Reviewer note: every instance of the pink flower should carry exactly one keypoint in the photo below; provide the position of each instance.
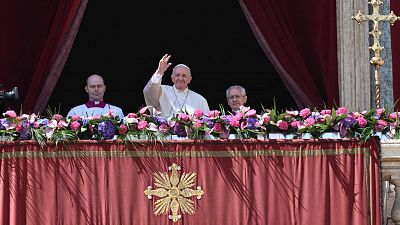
(10, 113)
(283, 125)
(250, 113)
(153, 127)
(217, 127)
(52, 124)
(36, 125)
(362, 122)
(172, 123)
(213, 114)
(57, 117)
(234, 122)
(75, 125)
(327, 116)
(380, 111)
(62, 123)
(96, 117)
(191, 118)
(243, 125)
(341, 111)
(381, 125)
(144, 111)
(163, 128)
(18, 128)
(130, 120)
(305, 112)
(326, 112)
(198, 113)
(142, 124)
(309, 122)
(293, 123)
(197, 124)
(109, 114)
(238, 116)
(292, 113)
(132, 115)
(122, 129)
(356, 114)
(75, 117)
(394, 115)
(32, 118)
(267, 119)
(183, 116)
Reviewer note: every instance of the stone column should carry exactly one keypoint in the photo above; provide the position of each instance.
(353, 56)
(356, 74)
(386, 72)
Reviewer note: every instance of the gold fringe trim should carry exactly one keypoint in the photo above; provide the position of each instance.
(181, 154)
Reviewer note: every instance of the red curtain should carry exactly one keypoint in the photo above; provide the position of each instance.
(32, 35)
(300, 40)
(319, 182)
(395, 35)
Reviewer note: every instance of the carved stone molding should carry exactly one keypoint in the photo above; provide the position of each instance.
(390, 164)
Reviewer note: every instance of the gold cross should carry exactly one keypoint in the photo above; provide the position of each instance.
(376, 18)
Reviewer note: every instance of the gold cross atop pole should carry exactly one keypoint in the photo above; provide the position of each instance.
(376, 33)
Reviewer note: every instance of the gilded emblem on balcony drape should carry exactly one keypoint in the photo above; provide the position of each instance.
(174, 192)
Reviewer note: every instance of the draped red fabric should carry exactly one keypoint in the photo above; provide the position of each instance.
(299, 182)
(300, 41)
(31, 36)
(395, 39)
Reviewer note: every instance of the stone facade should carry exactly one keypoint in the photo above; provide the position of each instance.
(390, 164)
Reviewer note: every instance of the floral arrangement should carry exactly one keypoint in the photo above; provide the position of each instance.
(143, 125)
(247, 123)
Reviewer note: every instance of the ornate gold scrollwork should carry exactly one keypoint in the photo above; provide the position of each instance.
(174, 192)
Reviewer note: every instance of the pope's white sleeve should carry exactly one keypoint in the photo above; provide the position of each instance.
(152, 91)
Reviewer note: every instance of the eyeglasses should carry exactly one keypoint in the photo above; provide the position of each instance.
(234, 97)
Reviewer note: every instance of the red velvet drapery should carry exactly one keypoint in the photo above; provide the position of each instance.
(32, 35)
(395, 35)
(319, 182)
(300, 41)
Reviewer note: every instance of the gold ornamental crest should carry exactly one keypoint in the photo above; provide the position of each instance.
(174, 192)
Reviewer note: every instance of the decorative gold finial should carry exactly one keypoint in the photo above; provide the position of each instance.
(376, 60)
(174, 193)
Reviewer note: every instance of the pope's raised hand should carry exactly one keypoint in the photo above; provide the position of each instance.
(163, 64)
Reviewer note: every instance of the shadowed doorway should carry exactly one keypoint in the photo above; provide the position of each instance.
(124, 42)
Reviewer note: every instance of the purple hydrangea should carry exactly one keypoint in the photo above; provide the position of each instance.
(180, 130)
(160, 120)
(227, 118)
(25, 133)
(251, 123)
(3, 124)
(107, 129)
(210, 123)
(344, 125)
(43, 121)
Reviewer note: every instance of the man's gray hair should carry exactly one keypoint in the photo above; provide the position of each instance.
(181, 65)
(240, 88)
